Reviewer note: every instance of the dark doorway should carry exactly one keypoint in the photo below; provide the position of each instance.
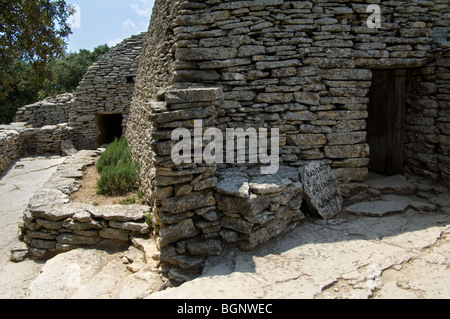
(109, 127)
(386, 122)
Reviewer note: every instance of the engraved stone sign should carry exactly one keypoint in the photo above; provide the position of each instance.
(320, 189)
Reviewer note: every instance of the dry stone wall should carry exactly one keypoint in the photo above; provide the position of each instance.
(107, 88)
(20, 139)
(427, 150)
(53, 224)
(50, 111)
(303, 67)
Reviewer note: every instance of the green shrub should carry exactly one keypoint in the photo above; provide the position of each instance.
(116, 152)
(118, 174)
(149, 219)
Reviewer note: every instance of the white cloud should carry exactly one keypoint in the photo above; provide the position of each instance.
(114, 42)
(128, 24)
(144, 9)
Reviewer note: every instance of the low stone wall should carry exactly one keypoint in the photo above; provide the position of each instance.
(11, 147)
(52, 224)
(19, 139)
(47, 112)
(256, 208)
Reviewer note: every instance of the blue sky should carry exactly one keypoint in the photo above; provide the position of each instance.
(107, 21)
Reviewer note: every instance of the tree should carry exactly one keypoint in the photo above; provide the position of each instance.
(32, 34)
(69, 71)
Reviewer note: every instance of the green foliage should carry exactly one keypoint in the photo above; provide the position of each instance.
(69, 71)
(118, 173)
(33, 62)
(66, 73)
(32, 33)
(149, 219)
(128, 201)
(116, 152)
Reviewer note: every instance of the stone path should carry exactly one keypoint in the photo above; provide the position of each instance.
(401, 256)
(17, 186)
(406, 255)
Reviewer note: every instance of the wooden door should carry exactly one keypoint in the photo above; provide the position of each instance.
(386, 122)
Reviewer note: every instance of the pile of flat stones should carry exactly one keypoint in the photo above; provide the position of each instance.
(52, 224)
(258, 207)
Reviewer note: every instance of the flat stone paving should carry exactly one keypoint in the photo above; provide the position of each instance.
(406, 255)
(17, 186)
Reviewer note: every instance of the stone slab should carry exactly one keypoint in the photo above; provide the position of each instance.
(378, 208)
(320, 188)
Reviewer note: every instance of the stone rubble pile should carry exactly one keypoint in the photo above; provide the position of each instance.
(255, 207)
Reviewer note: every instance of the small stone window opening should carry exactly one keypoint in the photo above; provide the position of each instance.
(130, 79)
(109, 127)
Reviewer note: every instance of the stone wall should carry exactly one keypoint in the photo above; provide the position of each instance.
(11, 146)
(20, 139)
(303, 67)
(427, 150)
(154, 75)
(52, 224)
(107, 88)
(51, 111)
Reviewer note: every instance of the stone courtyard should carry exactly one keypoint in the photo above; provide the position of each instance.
(353, 117)
(404, 254)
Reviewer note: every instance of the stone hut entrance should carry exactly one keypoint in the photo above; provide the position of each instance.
(109, 127)
(386, 121)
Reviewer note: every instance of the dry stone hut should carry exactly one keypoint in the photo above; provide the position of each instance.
(101, 107)
(340, 88)
(94, 115)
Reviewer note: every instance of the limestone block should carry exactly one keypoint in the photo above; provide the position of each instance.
(173, 233)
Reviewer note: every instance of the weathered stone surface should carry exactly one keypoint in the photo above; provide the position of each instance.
(142, 228)
(205, 18)
(116, 234)
(235, 186)
(270, 184)
(59, 212)
(47, 197)
(236, 223)
(72, 239)
(173, 233)
(192, 95)
(195, 54)
(82, 217)
(347, 151)
(378, 208)
(192, 201)
(320, 189)
(67, 148)
(120, 213)
(201, 247)
(246, 207)
(74, 225)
